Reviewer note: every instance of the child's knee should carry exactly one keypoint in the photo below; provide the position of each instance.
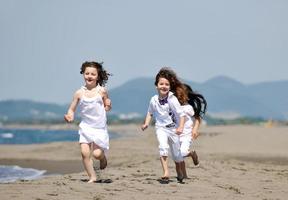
(98, 154)
(85, 154)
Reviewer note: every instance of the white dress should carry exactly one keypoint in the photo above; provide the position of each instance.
(186, 137)
(93, 127)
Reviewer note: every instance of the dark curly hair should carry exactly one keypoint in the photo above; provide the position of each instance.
(102, 74)
(176, 86)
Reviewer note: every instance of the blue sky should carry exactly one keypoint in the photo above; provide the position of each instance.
(44, 42)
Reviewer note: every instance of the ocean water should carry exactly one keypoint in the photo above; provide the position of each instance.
(25, 136)
(35, 136)
(10, 174)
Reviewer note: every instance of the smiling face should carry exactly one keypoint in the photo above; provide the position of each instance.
(90, 76)
(163, 87)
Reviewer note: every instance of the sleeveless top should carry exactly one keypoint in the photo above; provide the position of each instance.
(92, 110)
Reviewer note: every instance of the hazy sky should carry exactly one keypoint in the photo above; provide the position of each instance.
(44, 42)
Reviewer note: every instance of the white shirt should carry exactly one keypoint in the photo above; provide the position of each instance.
(189, 113)
(166, 114)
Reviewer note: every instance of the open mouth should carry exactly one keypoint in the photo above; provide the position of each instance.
(163, 89)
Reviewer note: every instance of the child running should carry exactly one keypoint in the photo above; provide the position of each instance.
(93, 102)
(194, 109)
(166, 109)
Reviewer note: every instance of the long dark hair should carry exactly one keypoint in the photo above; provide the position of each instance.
(102, 74)
(197, 101)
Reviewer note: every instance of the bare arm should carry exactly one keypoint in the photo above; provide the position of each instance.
(180, 128)
(146, 121)
(107, 102)
(195, 128)
(69, 116)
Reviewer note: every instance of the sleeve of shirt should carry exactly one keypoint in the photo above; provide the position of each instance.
(175, 106)
(190, 111)
(150, 107)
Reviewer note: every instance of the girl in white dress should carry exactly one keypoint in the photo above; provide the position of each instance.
(93, 103)
(194, 110)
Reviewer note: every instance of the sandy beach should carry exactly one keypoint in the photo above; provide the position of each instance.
(236, 162)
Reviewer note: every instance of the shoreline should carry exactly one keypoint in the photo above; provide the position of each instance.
(126, 132)
(63, 126)
(60, 126)
(74, 126)
(53, 165)
(50, 166)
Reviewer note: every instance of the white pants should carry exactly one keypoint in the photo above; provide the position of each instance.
(167, 138)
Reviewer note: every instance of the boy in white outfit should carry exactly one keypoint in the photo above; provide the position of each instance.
(166, 109)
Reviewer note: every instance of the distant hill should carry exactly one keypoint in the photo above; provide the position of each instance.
(227, 98)
(30, 111)
(267, 100)
(133, 96)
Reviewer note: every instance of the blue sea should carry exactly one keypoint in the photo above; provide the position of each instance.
(32, 136)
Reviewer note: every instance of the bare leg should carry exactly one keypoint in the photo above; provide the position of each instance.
(99, 154)
(183, 169)
(87, 162)
(194, 157)
(179, 171)
(164, 163)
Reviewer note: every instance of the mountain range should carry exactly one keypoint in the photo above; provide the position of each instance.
(226, 98)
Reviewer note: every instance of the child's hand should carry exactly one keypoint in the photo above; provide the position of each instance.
(195, 135)
(179, 130)
(68, 118)
(108, 104)
(144, 126)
